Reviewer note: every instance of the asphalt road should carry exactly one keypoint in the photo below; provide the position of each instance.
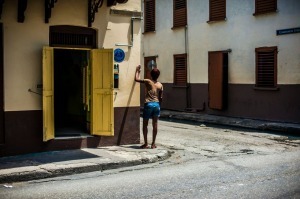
(208, 162)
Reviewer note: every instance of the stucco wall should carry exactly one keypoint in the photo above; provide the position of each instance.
(241, 32)
(23, 44)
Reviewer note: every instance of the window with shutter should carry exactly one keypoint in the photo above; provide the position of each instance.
(217, 10)
(149, 9)
(180, 70)
(72, 36)
(265, 6)
(179, 13)
(266, 67)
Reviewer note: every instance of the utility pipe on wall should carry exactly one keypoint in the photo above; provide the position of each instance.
(131, 27)
(188, 88)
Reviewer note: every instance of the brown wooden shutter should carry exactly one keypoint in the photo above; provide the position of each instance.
(265, 6)
(180, 70)
(217, 10)
(179, 13)
(149, 15)
(266, 67)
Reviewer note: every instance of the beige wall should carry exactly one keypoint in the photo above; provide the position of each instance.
(242, 32)
(23, 44)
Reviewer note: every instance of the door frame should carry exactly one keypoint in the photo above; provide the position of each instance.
(2, 131)
(101, 61)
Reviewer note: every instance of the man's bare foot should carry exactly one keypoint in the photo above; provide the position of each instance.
(153, 146)
(144, 146)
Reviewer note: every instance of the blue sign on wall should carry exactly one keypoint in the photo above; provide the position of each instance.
(288, 31)
(119, 55)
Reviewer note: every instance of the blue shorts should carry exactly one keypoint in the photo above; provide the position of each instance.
(151, 109)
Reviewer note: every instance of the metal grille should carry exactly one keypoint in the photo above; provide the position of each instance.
(149, 15)
(73, 36)
(71, 39)
(217, 10)
(180, 13)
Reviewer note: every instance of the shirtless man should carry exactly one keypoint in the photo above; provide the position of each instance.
(153, 99)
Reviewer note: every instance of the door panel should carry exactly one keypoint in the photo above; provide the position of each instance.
(2, 137)
(215, 78)
(48, 94)
(102, 92)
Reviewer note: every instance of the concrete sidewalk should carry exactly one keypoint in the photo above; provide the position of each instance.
(288, 128)
(58, 163)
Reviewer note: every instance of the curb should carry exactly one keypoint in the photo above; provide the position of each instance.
(289, 128)
(51, 170)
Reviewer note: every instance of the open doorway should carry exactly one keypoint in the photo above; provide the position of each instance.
(71, 96)
(91, 92)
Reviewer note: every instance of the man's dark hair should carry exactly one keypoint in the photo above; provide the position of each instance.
(155, 74)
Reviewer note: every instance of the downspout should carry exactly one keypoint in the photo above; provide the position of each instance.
(188, 86)
(131, 27)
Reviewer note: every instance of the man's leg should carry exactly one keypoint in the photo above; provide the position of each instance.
(154, 124)
(145, 133)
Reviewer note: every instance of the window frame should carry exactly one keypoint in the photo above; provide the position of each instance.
(101, 91)
(184, 82)
(147, 72)
(258, 67)
(271, 7)
(215, 5)
(149, 16)
(179, 15)
(72, 36)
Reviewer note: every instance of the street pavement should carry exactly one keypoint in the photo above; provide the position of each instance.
(58, 163)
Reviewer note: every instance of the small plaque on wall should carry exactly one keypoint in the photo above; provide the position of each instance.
(288, 31)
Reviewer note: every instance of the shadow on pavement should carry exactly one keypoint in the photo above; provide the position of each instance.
(35, 159)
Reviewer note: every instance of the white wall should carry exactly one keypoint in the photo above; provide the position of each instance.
(23, 44)
(242, 32)
(119, 32)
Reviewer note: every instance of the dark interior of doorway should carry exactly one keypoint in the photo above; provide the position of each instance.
(70, 112)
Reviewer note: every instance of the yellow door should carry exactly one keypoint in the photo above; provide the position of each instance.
(102, 115)
(48, 94)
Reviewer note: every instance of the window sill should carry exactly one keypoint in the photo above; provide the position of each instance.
(216, 20)
(149, 32)
(175, 86)
(178, 27)
(265, 89)
(263, 13)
